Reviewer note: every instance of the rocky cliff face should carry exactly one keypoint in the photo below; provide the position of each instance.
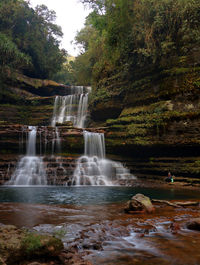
(153, 125)
(58, 163)
(158, 125)
(26, 101)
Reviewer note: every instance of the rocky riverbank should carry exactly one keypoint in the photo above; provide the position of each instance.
(163, 236)
(20, 246)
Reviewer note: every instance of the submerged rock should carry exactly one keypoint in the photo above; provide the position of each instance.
(139, 204)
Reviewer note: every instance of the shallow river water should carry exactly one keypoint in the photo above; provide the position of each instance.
(92, 220)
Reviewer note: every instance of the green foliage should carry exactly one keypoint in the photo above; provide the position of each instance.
(128, 40)
(133, 130)
(29, 39)
(65, 75)
(31, 243)
(197, 83)
(11, 56)
(8, 97)
(81, 70)
(180, 71)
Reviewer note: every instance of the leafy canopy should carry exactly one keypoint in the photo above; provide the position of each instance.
(32, 39)
(124, 40)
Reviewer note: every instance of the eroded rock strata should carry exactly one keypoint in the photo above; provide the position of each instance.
(157, 124)
(152, 125)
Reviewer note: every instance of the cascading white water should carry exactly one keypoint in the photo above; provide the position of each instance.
(82, 111)
(30, 169)
(72, 107)
(56, 142)
(31, 148)
(93, 168)
(94, 144)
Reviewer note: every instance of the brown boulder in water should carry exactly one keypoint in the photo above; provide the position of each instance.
(139, 204)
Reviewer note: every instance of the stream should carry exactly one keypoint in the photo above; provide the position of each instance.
(92, 220)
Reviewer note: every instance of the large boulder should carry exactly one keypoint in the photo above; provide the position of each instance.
(139, 204)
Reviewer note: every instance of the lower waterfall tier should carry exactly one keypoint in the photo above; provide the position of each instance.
(152, 162)
(97, 171)
(60, 170)
(30, 171)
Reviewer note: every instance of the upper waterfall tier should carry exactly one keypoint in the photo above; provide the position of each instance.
(72, 107)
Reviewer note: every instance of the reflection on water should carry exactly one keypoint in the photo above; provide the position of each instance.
(87, 195)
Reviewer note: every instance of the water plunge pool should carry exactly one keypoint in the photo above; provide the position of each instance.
(87, 195)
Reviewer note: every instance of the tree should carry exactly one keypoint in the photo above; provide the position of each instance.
(11, 57)
(134, 38)
(35, 34)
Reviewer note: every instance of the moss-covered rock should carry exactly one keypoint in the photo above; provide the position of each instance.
(173, 120)
(139, 203)
(38, 86)
(108, 108)
(18, 246)
(160, 118)
(33, 111)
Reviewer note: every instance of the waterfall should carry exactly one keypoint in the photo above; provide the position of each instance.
(94, 144)
(56, 142)
(31, 148)
(72, 107)
(93, 168)
(30, 169)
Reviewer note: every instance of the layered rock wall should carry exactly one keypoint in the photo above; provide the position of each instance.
(152, 124)
(158, 125)
(59, 163)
